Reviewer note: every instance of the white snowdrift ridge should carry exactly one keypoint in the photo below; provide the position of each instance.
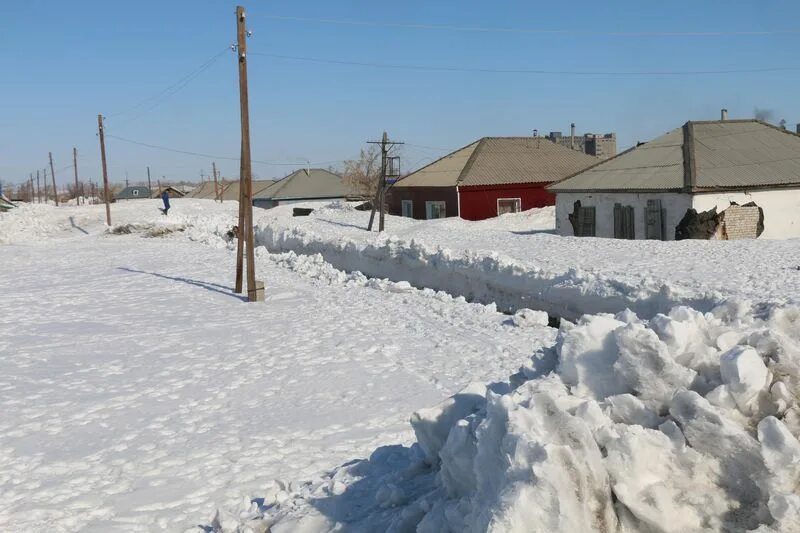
(686, 422)
(480, 276)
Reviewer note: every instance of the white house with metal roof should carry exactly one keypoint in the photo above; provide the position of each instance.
(314, 184)
(645, 192)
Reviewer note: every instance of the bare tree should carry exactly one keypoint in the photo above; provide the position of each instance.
(362, 174)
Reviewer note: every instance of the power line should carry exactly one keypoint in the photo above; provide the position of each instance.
(211, 156)
(157, 99)
(496, 29)
(430, 68)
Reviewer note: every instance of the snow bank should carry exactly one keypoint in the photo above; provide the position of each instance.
(686, 422)
(516, 264)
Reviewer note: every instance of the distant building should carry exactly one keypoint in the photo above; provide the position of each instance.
(231, 191)
(133, 193)
(173, 192)
(720, 179)
(490, 177)
(596, 144)
(305, 185)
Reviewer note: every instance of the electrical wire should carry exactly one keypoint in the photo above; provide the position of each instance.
(544, 31)
(157, 99)
(528, 71)
(220, 157)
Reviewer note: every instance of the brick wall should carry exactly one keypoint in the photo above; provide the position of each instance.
(740, 222)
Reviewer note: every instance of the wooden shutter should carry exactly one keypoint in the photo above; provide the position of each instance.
(654, 220)
(586, 221)
(618, 231)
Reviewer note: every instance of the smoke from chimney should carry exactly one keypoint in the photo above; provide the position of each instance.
(764, 115)
(724, 114)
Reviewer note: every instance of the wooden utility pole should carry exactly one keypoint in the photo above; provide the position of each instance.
(53, 174)
(101, 132)
(149, 185)
(75, 166)
(44, 179)
(216, 184)
(38, 188)
(380, 194)
(159, 187)
(255, 291)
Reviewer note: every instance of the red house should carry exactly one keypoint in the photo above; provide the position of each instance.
(489, 177)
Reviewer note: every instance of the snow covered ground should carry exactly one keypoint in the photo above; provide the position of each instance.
(517, 262)
(139, 394)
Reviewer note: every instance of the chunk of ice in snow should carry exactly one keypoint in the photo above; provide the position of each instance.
(745, 374)
(529, 317)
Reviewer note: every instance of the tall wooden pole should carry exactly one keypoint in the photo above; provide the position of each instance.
(216, 184)
(44, 179)
(53, 174)
(101, 132)
(75, 166)
(31, 188)
(245, 172)
(38, 188)
(149, 185)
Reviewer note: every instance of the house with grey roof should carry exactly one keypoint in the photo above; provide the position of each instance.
(304, 185)
(746, 172)
(489, 177)
(231, 191)
(136, 192)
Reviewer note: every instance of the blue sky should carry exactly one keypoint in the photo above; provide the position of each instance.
(62, 63)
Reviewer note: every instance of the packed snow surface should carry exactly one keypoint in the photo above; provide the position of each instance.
(139, 394)
(516, 261)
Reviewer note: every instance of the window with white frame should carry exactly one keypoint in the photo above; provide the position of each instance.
(508, 205)
(436, 209)
(136, 192)
(407, 208)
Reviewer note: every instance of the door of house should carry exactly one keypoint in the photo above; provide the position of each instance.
(436, 209)
(407, 208)
(586, 222)
(508, 205)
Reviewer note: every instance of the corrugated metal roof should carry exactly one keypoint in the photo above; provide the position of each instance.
(500, 161)
(443, 172)
(314, 183)
(727, 154)
(508, 160)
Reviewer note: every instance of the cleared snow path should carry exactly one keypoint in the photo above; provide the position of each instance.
(139, 394)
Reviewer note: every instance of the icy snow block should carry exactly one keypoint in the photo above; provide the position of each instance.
(745, 374)
(529, 317)
(432, 425)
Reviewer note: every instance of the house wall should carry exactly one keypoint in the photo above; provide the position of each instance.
(480, 202)
(420, 195)
(781, 208)
(675, 205)
(269, 203)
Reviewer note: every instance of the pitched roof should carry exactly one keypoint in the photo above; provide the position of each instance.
(136, 191)
(204, 191)
(307, 184)
(699, 156)
(231, 191)
(173, 192)
(499, 161)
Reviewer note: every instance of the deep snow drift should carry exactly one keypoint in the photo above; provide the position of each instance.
(516, 262)
(686, 422)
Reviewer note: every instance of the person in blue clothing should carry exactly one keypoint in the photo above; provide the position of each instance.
(165, 198)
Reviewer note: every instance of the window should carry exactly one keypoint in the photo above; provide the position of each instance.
(407, 208)
(435, 210)
(136, 192)
(508, 205)
(623, 222)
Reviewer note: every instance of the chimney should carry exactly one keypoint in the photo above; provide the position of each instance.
(724, 114)
(572, 135)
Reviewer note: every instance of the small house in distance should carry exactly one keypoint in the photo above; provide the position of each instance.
(710, 179)
(137, 192)
(173, 192)
(304, 185)
(231, 191)
(490, 177)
